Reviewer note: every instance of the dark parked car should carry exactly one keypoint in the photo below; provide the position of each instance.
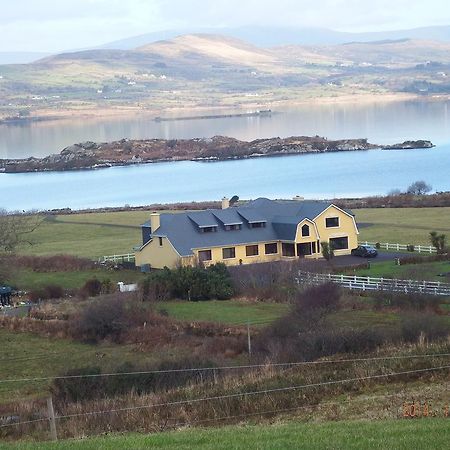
(366, 251)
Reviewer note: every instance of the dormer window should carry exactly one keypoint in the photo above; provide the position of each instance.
(305, 230)
(235, 226)
(257, 224)
(208, 229)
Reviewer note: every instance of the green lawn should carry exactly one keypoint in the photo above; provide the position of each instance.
(24, 355)
(88, 235)
(402, 225)
(425, 271)
(385, 434)
(227, 312)
(29, 280)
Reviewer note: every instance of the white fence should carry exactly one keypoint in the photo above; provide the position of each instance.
(402, 247)
(128, 257)
(377, 284)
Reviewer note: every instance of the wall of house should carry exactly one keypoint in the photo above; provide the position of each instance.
(241, 256)
(346, 228)
(158, 256)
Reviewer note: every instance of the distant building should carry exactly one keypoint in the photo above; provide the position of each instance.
(261, 231)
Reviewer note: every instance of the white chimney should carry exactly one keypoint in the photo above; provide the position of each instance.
(225, 203)
(155, 221)
(298, 198)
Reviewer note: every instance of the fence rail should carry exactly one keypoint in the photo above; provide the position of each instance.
(128, 257)
(402, 247)
(377, 284)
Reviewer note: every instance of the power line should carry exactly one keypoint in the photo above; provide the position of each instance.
(252, 393)
(235, 395)
(221, 368)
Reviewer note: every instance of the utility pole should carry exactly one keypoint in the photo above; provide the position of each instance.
(249, 341)
(51, 418)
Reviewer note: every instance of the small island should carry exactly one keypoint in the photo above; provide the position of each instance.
(91, 155)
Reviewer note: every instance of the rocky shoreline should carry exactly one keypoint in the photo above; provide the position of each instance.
(91, 155)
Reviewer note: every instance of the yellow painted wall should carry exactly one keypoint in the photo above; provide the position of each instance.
(346, 228)
(158, 256)
(216, 253)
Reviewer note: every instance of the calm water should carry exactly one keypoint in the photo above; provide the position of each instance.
(313, 176)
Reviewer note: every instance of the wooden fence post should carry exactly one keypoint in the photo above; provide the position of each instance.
(51, 418)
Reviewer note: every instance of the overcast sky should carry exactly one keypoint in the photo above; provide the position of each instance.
(54, 25)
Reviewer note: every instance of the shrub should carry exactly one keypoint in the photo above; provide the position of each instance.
(327, 250)
(91, 288)
(410, 248)
(85, 388)
(107, 317)
(430, 326)
(48, 292)
(188, 283)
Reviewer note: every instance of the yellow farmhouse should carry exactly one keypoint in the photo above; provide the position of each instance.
(263, 230)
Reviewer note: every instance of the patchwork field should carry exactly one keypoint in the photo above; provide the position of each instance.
(96, 234)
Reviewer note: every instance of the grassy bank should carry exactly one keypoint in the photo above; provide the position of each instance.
(402, 225)
(398, 434)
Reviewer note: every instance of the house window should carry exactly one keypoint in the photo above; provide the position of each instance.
(332, 222)
(232, 227)
(228, 253)
(271, 249)
(288, 249)
(208, 229)
(305, 230)
(252, 250)
(257, 224)
(160, 241)
(339, 243)
(204, 255)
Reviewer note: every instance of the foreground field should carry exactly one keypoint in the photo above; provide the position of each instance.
(402, 225)
(394, 434)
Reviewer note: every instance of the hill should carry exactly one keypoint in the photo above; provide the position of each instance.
(275, 36)
(208, 71)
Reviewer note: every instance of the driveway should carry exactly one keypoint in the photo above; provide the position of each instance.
(349, 260)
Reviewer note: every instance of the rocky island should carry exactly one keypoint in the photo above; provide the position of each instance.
(91, 155)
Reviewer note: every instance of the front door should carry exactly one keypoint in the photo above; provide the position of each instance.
(304, 249)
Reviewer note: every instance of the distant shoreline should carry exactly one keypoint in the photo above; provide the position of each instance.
(127, 111)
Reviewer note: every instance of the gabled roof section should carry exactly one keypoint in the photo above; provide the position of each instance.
(228, 216)
(203, 219)
(186, 230)
(252, 215)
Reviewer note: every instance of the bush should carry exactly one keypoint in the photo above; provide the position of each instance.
(108, 317)
(91, 288)
(410, 248)
(430, 326)
(188, 283)
(49, 292)
(81, 389)
(405, 302)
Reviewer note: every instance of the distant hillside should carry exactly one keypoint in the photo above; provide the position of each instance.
(206, 71)
(276, 36)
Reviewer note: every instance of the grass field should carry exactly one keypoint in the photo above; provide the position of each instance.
(386, 434)
(29, 280)
(24, 355)
(424, 271)
(402, 225)
(97, 234)
(227, 312)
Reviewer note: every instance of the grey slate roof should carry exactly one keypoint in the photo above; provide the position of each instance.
(281, 219)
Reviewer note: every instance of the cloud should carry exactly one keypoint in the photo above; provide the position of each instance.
(50, 25)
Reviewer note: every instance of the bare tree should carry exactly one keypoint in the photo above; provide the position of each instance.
(419, 188)
(15, 229)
